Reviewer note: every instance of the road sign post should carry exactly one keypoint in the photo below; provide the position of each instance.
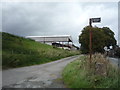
(92, 20)
(90, 39)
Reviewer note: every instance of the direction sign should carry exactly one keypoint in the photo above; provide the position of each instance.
(96, 20)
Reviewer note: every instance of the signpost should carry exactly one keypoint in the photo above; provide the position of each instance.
(95, 20)
(92, 20)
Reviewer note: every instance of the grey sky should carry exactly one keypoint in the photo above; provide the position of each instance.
(50, 18)
(119, 24)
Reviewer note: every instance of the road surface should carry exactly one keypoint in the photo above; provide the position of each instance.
(37, 76)
(115, 61)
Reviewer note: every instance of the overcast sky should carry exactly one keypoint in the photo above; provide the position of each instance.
(50, 18)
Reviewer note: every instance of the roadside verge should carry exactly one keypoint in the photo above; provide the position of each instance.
(78, 74)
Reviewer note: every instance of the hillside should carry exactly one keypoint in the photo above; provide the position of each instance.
(18, 51)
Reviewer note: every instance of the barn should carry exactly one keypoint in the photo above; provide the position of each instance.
(60, 41)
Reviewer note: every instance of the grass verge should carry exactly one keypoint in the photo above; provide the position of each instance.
(102, 74)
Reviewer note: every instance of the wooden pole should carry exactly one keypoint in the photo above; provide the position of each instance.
(90, 39)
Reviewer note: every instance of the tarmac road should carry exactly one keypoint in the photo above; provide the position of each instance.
(114, 61)
(37, 76)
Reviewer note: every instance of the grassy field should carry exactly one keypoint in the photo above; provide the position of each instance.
(78, 74)
(18, 51)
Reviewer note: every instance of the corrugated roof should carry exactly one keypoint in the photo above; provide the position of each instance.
(52, 38)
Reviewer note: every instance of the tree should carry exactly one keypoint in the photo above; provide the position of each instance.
(101, 37)
(110, 40)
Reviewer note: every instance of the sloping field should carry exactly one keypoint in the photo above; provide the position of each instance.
(18, 51)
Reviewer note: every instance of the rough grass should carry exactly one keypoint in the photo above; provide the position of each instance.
(18, 52)
(78, 74)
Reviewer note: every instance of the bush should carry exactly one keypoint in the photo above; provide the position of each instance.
(117, 52)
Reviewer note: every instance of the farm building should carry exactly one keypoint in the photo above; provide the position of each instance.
(60, 41)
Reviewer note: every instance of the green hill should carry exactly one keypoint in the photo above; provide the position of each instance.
(18, 51)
